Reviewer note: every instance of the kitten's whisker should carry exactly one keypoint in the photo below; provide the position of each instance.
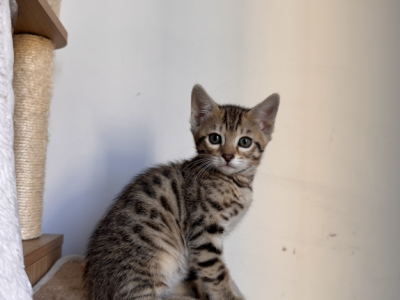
(194, 162)
(267, 182)
(270, 170)
(199, 167)
(206, 168)
(191, 165)
(201, 171)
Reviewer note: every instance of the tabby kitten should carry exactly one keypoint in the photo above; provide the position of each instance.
(166, 227)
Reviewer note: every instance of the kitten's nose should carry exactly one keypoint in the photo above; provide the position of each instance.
(228, 157)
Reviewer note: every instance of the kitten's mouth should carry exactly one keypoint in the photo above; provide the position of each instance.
(227, 165)
(227, 169)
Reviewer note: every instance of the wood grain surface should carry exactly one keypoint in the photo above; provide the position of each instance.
(37, 17)
(38, 269)
(37, 248)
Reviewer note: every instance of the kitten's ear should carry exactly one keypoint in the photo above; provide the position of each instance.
(265, 113)
(202, 106)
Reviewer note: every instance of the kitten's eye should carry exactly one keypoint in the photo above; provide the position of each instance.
(245, 142)
(214, 138)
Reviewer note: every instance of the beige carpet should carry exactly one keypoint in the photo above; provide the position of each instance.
(62, 282)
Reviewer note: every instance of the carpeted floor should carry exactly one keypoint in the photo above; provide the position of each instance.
(62, 282)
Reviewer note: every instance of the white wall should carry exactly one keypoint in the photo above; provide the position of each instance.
(325, 220)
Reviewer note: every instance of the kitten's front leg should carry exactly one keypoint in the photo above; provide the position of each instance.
(218, 285)
(212, 271)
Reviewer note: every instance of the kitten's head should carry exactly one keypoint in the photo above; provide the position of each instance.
(231, 138)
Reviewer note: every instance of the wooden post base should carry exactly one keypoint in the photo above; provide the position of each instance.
(40, 254)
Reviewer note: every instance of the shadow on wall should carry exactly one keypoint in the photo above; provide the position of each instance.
(122, 159)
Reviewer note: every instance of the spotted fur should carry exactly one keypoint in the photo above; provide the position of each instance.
(165, 230)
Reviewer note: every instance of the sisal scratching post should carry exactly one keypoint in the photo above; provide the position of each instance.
(33, 68)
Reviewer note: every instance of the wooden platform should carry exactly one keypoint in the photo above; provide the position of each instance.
(40, 254)
(37, 17)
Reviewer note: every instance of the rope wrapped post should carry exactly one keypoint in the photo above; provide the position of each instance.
(33, 66)
(33, 70)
